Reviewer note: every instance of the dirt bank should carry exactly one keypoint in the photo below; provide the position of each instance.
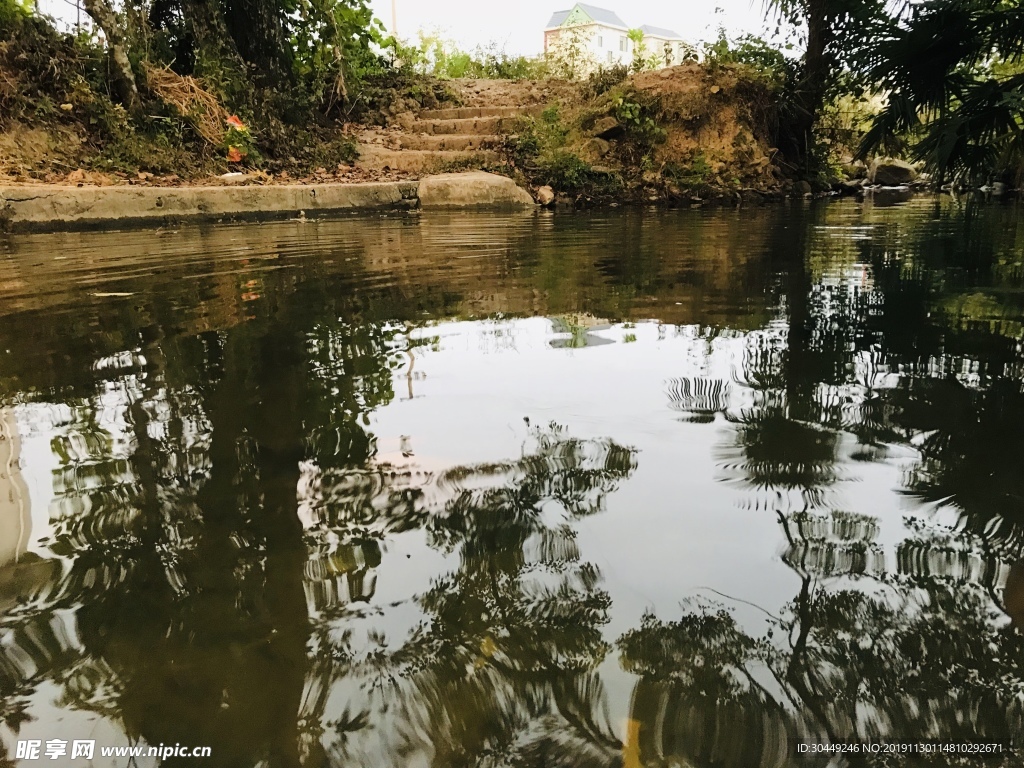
(687, 134)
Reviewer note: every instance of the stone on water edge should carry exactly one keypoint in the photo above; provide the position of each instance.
(545, 195)
(890, 172)
(751, 197)
(472, 189)
(851, 186)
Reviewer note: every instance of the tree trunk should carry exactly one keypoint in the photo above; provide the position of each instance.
(215, 55)
(124, 79)
(257, 27)
(809, 93)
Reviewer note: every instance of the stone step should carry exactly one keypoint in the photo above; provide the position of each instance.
(443, 143)
(375, 157)
(465, 125)
(461, 113)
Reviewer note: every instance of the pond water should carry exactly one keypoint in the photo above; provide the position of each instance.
(607, 489)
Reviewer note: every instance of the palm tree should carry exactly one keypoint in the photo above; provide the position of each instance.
(952, 72)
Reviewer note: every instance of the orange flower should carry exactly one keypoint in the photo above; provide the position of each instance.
(235, 122)
(235, 155)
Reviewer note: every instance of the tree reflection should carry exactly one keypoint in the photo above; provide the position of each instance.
(971, 444)
(783, 443)
(862, 652)
(187, 556)
(222, 517)
(503, 668)
(910, 664)
(205, 613)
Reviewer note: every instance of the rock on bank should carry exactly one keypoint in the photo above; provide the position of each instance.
(50, 207)
(473, 189)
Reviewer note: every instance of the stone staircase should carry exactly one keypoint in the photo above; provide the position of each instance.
(457, 138)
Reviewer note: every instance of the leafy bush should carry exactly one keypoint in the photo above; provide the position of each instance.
(538, 150)
(751, 51)
(643, 59)
(537, 137)
(569, 57)
(332, 50)
(440, 57)
(603, 79)
(638, 116)
(12, 11)
(567, 172)
(495, 64)
(695, 176)
(842, 124)
(41, 70)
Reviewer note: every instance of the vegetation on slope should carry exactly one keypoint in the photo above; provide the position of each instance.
(193, 87)
(690, 131)
(203, 87)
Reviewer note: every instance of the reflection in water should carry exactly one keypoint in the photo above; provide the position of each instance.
(15, 517)
(1013, 594)
(802, 426)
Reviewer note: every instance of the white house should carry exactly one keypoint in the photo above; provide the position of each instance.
(605, 36)
(665, 44)
(603, 33)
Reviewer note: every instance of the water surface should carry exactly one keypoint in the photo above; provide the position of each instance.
(608, 489)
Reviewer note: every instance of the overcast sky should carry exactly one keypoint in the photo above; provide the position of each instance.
(517, 25)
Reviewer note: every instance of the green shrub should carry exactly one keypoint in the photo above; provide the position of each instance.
(760, 56)
(537, 137)
(695, 176)
(603, 79)
(566, 172)
(495, 64)
(639, 116)
(440, 57)
(11, 12)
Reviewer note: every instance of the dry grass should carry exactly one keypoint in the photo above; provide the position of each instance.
(187, 95)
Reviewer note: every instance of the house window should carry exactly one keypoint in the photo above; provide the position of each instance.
(623, 43)
(610, 57)
(600, 42)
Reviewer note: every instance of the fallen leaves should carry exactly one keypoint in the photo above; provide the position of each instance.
(82, 177)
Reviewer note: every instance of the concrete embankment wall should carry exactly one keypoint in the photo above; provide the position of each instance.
(58, 207)
(50, 207)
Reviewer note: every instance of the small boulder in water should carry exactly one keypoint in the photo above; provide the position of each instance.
(890, 172)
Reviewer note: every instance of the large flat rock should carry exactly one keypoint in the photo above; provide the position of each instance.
(67, 207)
(891, 172)
(472, 189)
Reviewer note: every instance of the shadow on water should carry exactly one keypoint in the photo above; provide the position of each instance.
(229, 558)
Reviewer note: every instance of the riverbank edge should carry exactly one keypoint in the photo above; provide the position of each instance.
(41, 207)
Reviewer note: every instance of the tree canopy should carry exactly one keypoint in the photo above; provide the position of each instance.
(952, 71)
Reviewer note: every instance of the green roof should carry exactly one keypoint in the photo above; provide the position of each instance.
(595, 14)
